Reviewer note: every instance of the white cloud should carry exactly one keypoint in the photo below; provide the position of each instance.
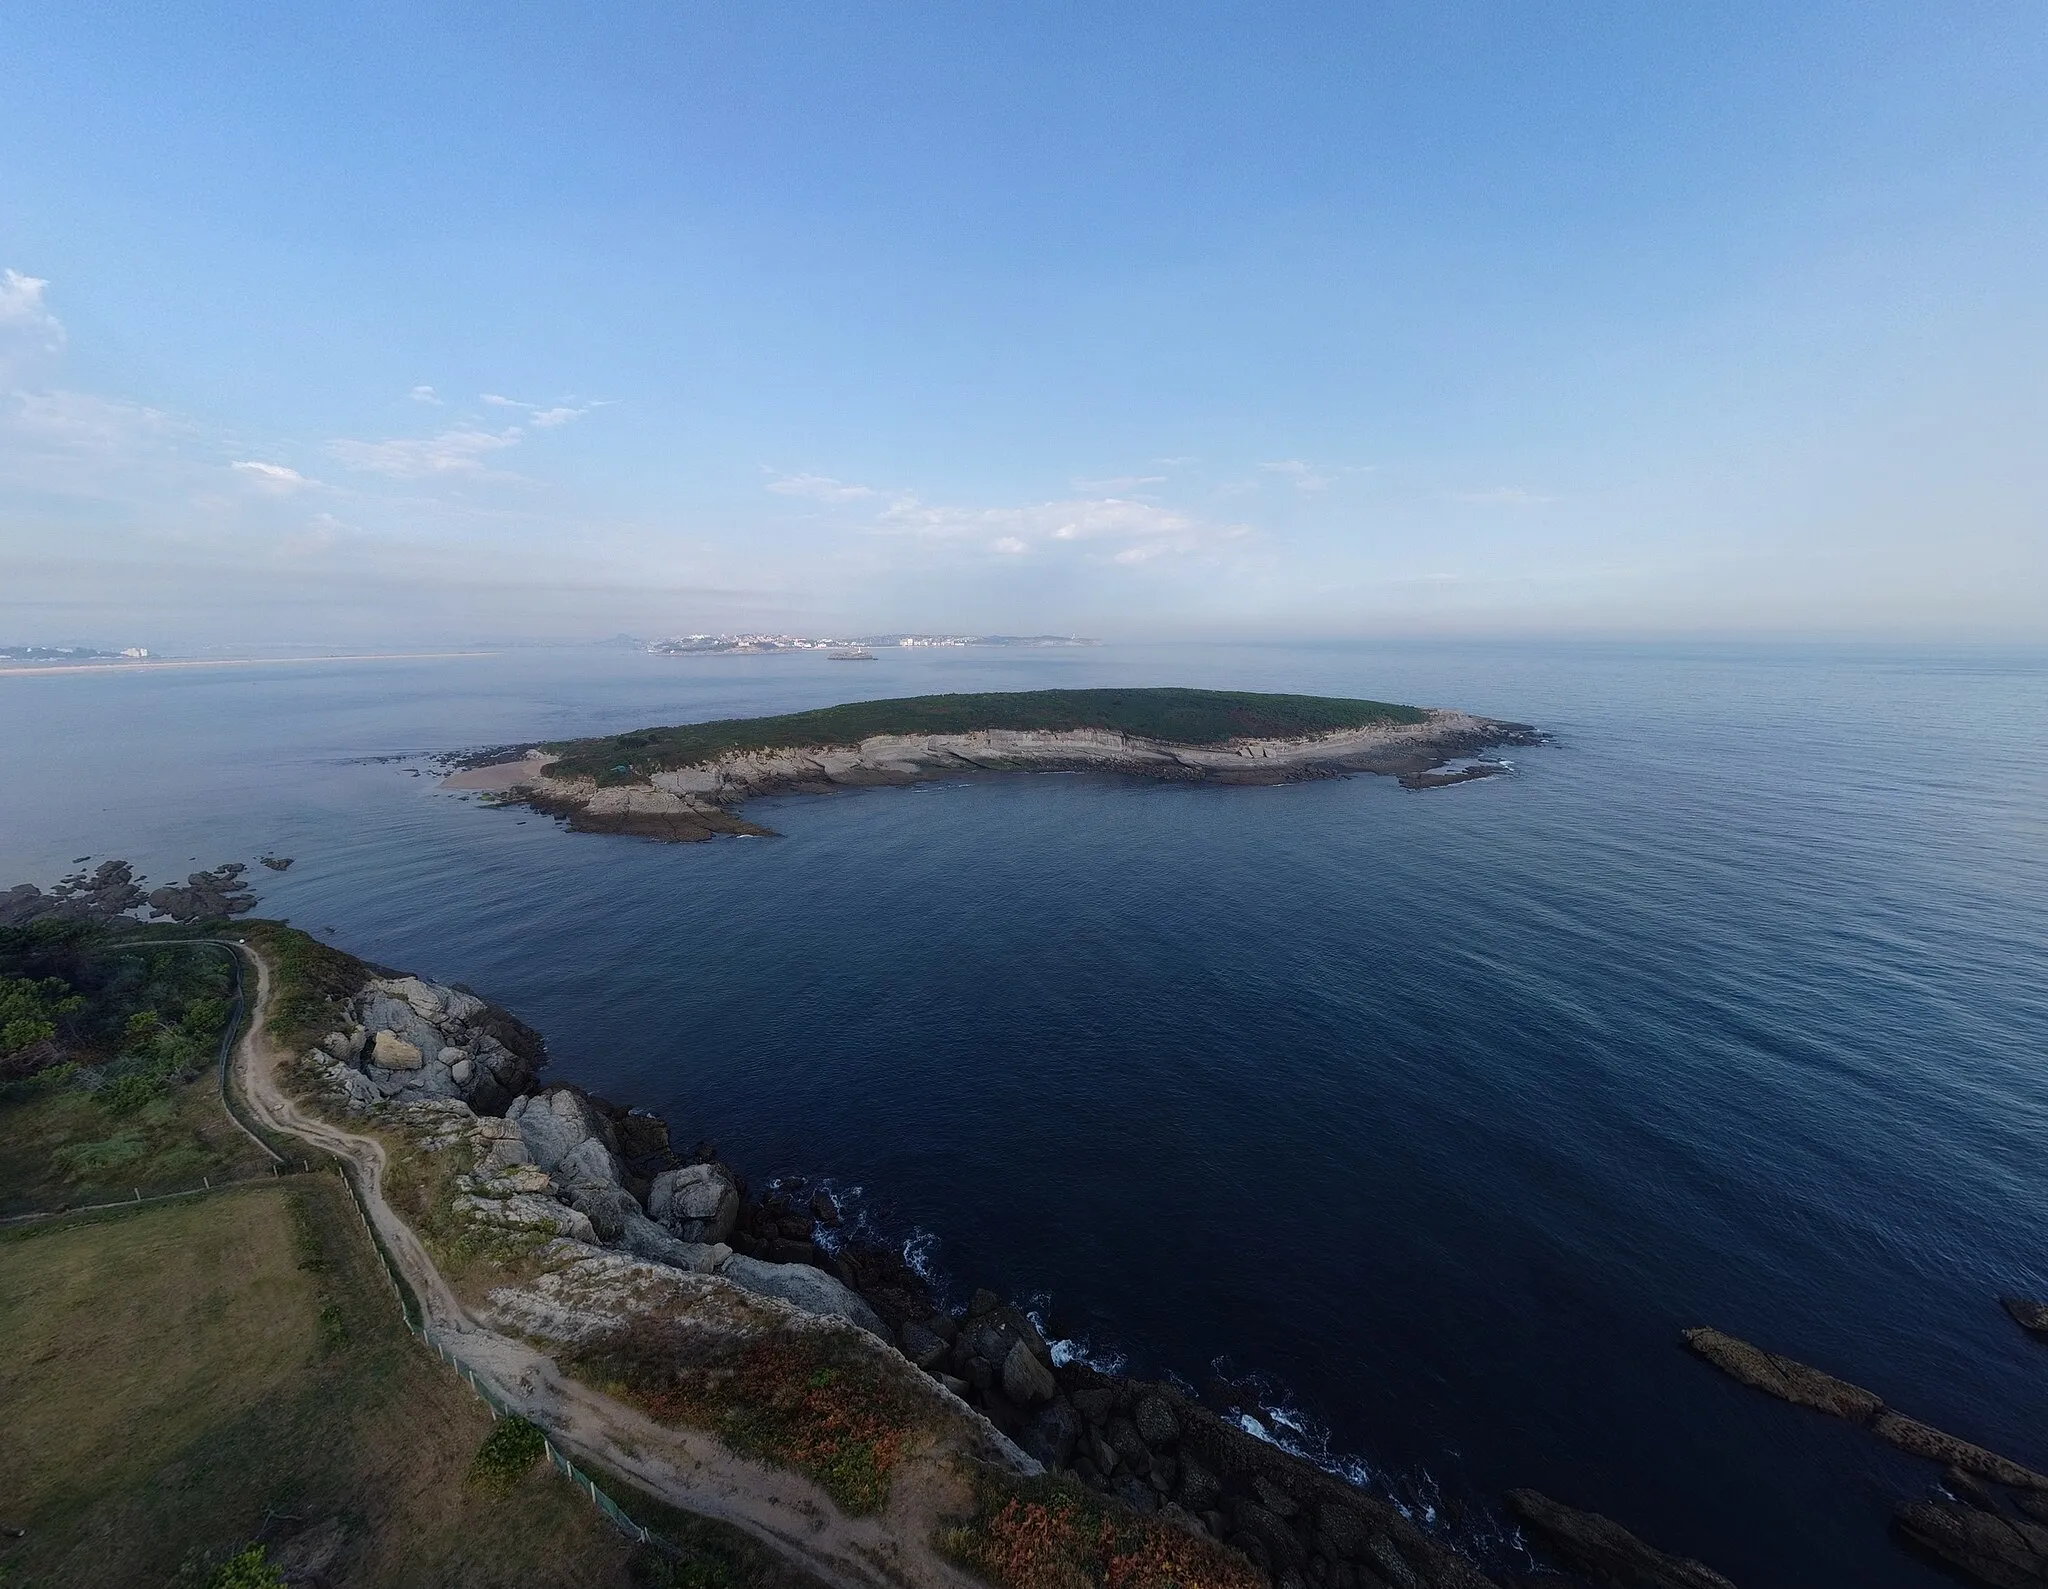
(29, 333)
(538, 417)
(80, 422)
(820, 488)
(273, 477)
(1127, 530)
(1129, 482)
(461, 451)
(1305, 475)
(1500, 497)
(424, 394)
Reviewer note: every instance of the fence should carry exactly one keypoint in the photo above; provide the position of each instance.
(415, 1322)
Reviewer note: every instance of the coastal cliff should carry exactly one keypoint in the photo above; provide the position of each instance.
(700, 798)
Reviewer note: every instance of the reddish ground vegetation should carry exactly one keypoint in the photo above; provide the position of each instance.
(813, 1404)
(1055, 1535)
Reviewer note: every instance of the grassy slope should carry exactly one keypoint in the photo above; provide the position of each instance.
(1182, 717)
(177, 1372)
(62, 1146)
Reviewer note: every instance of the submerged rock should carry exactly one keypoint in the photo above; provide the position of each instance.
(1785, 1378)
(2009, 1552)
(2029, 1315)
(1600, 1545)
(1806, 1386)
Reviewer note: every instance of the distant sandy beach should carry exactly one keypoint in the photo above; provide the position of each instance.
(21, 670)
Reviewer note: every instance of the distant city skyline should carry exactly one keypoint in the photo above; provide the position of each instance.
(374, 326)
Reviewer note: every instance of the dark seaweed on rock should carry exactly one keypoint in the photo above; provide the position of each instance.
(1174, 716)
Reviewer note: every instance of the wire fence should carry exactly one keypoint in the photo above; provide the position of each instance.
(207, 1187)
(409, 1307)
(415, 1322)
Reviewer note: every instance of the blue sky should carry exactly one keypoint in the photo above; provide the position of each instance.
(418, 322)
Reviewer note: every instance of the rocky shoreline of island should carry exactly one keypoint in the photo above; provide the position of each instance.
(704, 799)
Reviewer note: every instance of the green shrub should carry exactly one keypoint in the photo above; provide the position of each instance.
(512, 1446)
(248, 1568)
(85, 1161)
(126, 1094)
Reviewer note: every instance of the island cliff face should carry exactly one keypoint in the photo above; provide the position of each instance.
(702, 799)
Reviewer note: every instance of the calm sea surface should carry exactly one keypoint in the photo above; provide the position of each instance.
(1443, 1113)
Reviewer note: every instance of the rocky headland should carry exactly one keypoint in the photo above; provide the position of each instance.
(619, 1226)
(654, 796)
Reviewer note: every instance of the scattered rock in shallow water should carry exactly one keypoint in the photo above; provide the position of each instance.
(277, 863)
(109, 890)
(2028, 1315)
(1600, 1545)
(1971, 1490)
(1909, 1434)
(1808, 1387)
(206, 896)
(1783, 1377)
(2009, 1552)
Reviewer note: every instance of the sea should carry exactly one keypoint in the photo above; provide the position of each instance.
(1433, 1118)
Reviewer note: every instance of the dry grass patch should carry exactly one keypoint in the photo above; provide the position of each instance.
(180, 1381)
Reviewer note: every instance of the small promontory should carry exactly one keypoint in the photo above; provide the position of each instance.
(688, 782)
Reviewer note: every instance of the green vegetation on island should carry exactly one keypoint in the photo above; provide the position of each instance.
(1172, 716)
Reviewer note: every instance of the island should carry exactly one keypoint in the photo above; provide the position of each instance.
(688, 782)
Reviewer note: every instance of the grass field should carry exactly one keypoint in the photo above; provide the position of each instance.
(181, 1380)
(63, 1148)
(1181, 717)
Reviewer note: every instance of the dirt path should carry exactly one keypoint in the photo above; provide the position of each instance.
(683, 1467)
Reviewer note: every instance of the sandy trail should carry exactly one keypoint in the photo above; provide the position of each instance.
(683, 1467)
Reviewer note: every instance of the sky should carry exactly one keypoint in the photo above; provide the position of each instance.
(414, 324)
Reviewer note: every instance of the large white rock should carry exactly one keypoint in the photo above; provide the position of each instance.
(803, 1287)
(567, 1137)
(699, 1202)
(389, 1051)
(424, 997)
(529, 1213)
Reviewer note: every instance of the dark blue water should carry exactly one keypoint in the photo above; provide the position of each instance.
(1443, 1112)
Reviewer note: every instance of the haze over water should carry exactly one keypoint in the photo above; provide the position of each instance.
(1444, 1112)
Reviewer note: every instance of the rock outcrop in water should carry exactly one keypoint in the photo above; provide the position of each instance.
(626, 1229)
(1983, 1543)
(686, 804)
(108, 891)
(2029, 1315)
(1610, 1552)
(1805, 1386)
(112, 891)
